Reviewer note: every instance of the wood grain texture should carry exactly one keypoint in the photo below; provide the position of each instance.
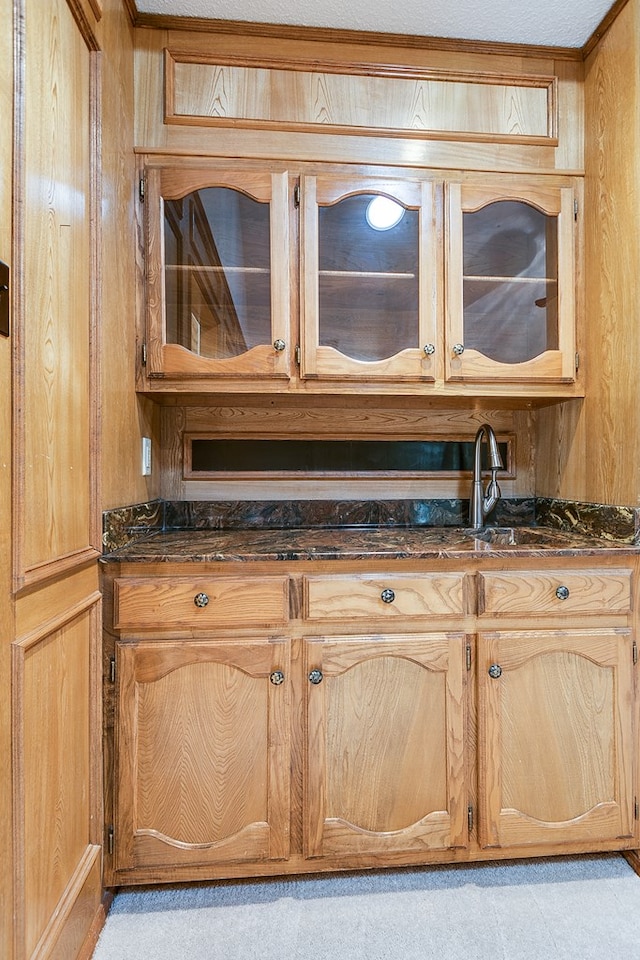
(124, 417)
(55, 435)
(52, 679)
(154, 134)
(346, 598)
(205, 730)
(373, 98)
(384, 771)
(594, 444)
(589, 592)
(6, 607)
(158, 603)
(556, 734)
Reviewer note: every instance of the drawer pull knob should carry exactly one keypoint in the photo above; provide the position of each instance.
(495, 671)
(387, 596)
(429, 349)
(562, 593)
(277, 677)
(201, 599)
(458, 349)
(279, 345)
(315, 676)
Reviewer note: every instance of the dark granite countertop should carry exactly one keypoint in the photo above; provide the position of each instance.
(363, 543)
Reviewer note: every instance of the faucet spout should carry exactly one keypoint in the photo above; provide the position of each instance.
(480, 504)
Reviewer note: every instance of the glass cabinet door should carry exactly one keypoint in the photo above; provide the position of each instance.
(510, 302)
(369, 273)
(218, 273)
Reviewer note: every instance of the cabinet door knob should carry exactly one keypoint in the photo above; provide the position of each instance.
(429, 349)
(562, 593)
(201, 599)
(277, 677)
(458, 349)
(495, 671)
(279, 345)
(387, 596)
(315, 676)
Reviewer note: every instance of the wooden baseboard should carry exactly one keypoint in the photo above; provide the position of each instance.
(633, 859)
(89, 945)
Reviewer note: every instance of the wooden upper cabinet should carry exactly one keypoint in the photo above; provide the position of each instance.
(217, 273)
(369, 279)
(510, 283)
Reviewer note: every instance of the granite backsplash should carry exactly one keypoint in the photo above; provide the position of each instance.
(125, 525)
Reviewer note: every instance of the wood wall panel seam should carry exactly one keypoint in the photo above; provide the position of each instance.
(33, 637)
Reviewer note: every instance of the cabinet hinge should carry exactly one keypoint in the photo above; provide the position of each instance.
(142, 183)
(470, 818)
(636, 808)
(144, 354)
(296, 195)
(577, 360)
(635, 652)
(468, 656)
(112, 669)
(110, 840)
(575, 209)
(298, 354)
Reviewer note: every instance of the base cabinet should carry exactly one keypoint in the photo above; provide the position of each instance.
(385, 723)
(555, 736)
(376, 717)
(202, 753)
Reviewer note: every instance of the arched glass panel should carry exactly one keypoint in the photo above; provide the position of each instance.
(368, 279)
(510, 264)
(217, 272)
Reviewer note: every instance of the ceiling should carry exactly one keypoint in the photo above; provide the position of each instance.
(557, 23)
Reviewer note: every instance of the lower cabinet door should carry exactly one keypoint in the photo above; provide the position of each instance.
(202, 753)
(385, 731)
(556, 728)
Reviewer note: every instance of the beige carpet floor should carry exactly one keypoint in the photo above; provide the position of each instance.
(582, 908)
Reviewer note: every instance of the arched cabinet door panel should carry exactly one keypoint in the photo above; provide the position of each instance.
(218, 274)
(385, 724)
(369, 273)
(510, 270)
(556, 729)
(202, 748)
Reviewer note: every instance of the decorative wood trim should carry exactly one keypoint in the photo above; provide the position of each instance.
(45, 629)
(315, 122)
(59, 939)
(332, 35)
(53, 568)
(603, 27)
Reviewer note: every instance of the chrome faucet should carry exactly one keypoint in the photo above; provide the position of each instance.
(480, 504)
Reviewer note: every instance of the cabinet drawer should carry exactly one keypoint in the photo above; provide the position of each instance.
(377, 595)
(200, 602)
(595, 592)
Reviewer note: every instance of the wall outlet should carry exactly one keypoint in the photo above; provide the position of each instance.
(146, 456)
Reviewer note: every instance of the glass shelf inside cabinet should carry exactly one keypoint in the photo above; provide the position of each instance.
(217, 272)
(510, 283)
(368, 279)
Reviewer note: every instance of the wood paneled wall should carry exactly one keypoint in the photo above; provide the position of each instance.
(466, 106)
(124, 417)
(6, 600)
(333, 418)
(595, 443)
